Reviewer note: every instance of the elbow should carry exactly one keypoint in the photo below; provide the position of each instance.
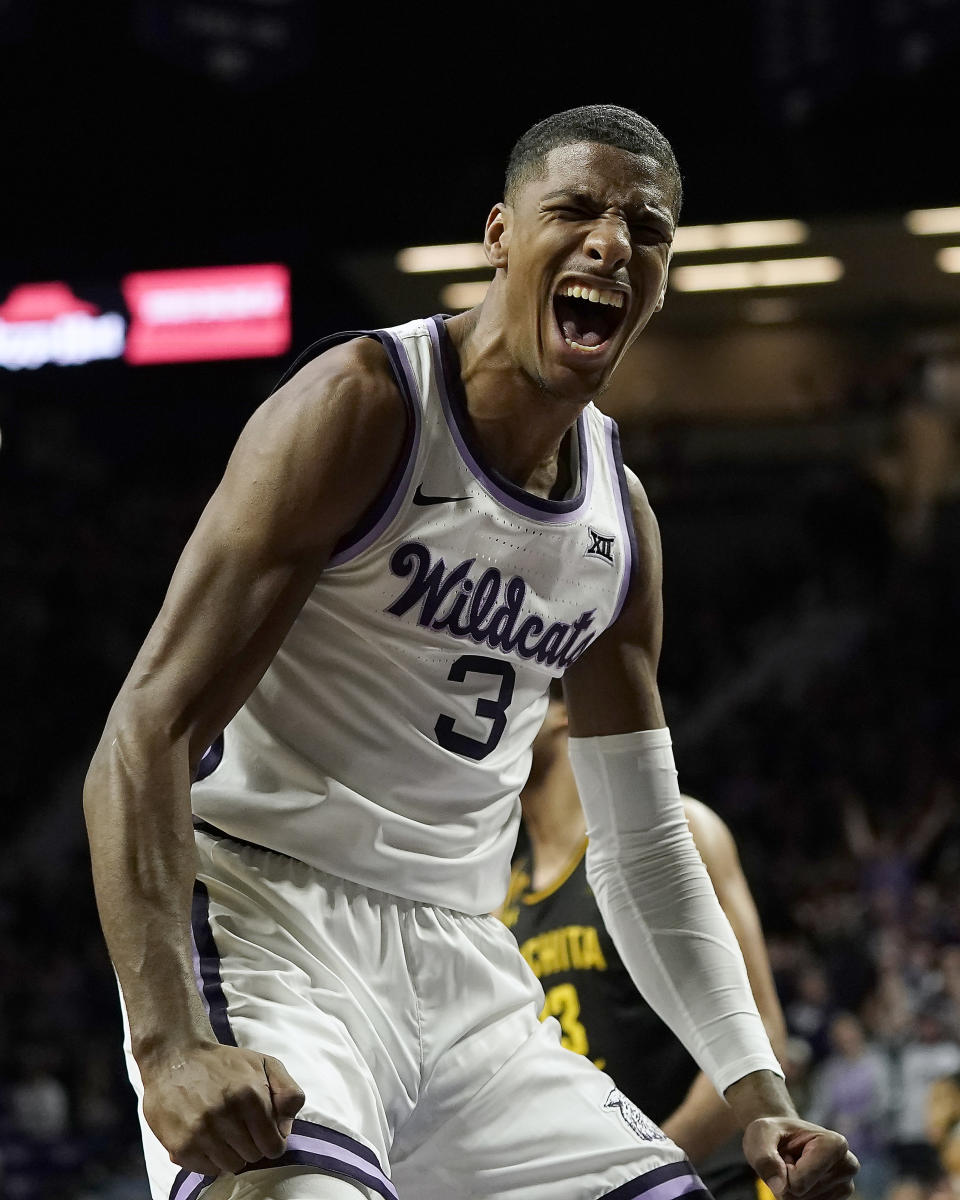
(135, 736)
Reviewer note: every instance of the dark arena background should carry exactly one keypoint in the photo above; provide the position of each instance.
(195, 189)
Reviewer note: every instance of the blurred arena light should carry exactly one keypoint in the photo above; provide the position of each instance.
(458, 256)
(470, 256)
(927, 221)
(464, 295)
(774, 272)
(948, 259)
(739, 234)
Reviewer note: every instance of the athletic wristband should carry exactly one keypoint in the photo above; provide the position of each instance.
(659, 905)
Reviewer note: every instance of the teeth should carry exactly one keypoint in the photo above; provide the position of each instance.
(594, 295)
(587, 349)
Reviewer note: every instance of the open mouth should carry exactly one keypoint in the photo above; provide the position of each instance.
(588, 317)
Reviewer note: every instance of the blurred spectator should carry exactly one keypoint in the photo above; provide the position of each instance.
(950, 980)
(927, 1056)
(796, 1070)
(943, 1125)
(920, 473)
(851, 1093)
(38, 1101)
(889, 856)
(810, 1013)
(889, 1009)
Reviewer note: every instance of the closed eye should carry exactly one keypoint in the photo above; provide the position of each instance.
(567, 210)
(648, 235)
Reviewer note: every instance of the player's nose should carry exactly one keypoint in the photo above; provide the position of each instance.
(608, 245)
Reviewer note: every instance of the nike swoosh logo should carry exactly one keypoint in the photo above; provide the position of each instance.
(420, 498)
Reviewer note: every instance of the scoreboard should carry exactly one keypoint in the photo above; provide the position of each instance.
(189, 315)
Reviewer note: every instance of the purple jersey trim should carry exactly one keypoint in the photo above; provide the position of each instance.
(206, 965)
(502, 489)
(384, 509)
(662, 1183)
(387, 504)
(624, 513)
(311, 1145)
(211, 759)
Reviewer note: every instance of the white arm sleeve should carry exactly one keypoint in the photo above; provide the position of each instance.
(659, 905)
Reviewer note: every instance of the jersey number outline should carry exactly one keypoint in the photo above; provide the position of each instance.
(490, 710)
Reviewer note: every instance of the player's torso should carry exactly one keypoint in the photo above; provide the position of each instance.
(389, 739)
(587, 988)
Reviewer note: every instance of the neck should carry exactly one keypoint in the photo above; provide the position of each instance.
(554, 820)
(519, 425)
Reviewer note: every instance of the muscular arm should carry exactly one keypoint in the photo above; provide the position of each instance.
(309, 462)
(703, 1122)
(659, 907)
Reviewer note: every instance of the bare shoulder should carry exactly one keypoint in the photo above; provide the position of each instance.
(316, 453)
(352, 383)
(717, 848)
(710, 831)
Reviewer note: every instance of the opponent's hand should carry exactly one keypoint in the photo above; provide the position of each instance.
(798, 1160)
(217, 1108)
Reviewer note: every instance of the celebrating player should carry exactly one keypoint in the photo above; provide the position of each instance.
(417, 532)
(554, 916)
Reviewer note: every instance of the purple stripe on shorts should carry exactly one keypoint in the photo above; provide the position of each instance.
(311, 1129)
(662, 1183)
(624, 512)
(326, 1149)
(554, 512)
(189, 1184)
(207, 966)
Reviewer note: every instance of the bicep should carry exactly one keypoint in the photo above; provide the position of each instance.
(309, 462)
(612, 688)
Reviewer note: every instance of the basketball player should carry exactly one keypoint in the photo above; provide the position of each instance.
(415, 534)
(554, 917)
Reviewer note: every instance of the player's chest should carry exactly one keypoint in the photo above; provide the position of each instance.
(527, 589)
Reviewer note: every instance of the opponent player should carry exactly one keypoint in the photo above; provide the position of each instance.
(554, 916)
(415, 534)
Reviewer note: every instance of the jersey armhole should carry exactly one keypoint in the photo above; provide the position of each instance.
(384, 508)
(624, 512)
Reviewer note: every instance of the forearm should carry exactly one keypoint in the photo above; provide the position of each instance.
(137, 808)
(760, 1094)
(659, 905)
(702, 1122)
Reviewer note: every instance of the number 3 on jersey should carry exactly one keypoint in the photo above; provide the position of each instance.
(488, 709)
(563, 1003)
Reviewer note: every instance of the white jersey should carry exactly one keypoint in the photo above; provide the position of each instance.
(389, 739)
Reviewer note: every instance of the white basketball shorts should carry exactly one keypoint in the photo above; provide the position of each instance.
(414, 1033)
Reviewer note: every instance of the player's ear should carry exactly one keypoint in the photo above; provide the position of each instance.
(496, 238)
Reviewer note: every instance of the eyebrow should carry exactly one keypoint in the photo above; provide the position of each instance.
(640, 212)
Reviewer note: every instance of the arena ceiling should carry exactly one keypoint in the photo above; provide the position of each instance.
(192, 131)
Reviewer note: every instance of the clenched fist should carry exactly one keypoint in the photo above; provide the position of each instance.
(798, 1160)
(217, 1108)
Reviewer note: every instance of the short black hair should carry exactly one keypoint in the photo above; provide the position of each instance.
(608, 124)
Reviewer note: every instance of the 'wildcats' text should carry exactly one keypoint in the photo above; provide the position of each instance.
(485, 610)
